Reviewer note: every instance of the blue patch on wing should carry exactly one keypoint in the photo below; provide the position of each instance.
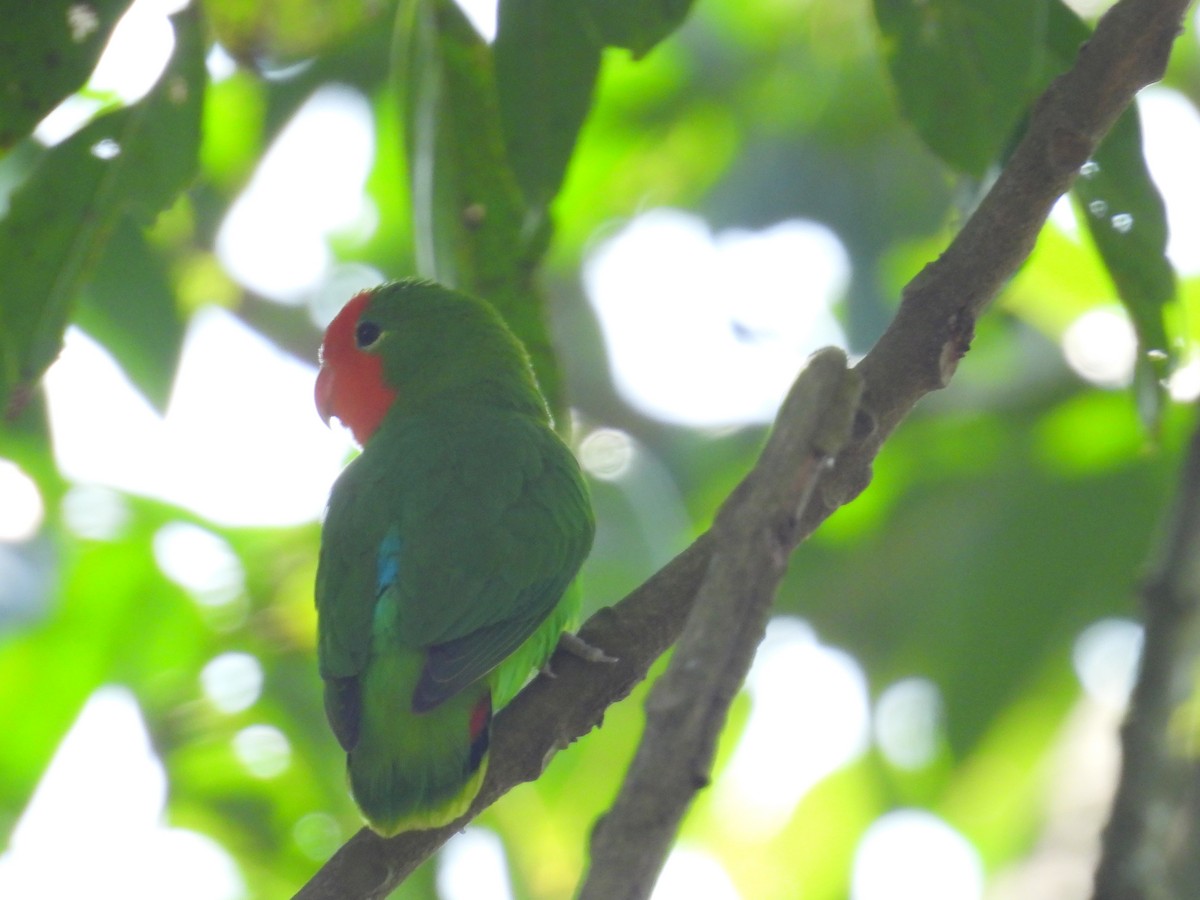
(387, 564)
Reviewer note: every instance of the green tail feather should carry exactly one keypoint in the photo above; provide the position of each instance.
(416, 770)
(422, 770)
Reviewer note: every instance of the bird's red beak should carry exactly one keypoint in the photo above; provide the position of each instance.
(324, 394)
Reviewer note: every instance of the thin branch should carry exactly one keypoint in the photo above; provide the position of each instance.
(1142, 849)
(753, 535)
(917, 354)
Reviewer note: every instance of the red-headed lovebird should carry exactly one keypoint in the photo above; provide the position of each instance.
(449, 546)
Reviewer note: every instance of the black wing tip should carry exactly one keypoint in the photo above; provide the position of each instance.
(431, 691)
(343, 708)
(426, 701)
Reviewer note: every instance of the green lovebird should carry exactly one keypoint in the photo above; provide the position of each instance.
(449, 546)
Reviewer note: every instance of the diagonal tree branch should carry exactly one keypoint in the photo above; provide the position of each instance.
(917, 354)
(753, 536)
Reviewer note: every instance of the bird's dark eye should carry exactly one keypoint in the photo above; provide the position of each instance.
(366, 334)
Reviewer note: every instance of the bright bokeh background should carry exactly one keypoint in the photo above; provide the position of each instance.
(901, 724)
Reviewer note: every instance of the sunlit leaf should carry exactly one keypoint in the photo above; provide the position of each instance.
(1063, 279)
(287, 30)
(233, 124)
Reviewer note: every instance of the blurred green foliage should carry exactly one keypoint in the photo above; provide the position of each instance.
(1011, 511)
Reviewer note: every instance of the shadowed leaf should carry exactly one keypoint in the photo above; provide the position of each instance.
(132, 162)
(47, 52)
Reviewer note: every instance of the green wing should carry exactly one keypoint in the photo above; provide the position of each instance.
(454, 535)
(510, 524)
(345, 592)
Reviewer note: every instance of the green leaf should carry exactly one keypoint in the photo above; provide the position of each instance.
(489, 137)
(636, 25)
(133, 162)
(1127, 220)
(142, 326)
(547, 59)
(965, 71)
(286, 30)
(47, 52)
(472, 229)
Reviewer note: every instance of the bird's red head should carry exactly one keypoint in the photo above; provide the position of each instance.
(350, 384)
